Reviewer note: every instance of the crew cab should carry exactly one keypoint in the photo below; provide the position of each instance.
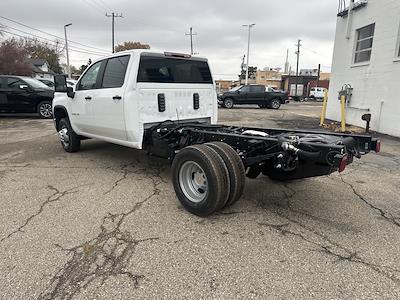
(165, 104)
(20, 94)
(261, 95)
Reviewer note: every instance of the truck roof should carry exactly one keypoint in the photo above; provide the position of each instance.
(153, 53)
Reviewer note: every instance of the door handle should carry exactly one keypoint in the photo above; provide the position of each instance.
(117, 97)
(88, 98)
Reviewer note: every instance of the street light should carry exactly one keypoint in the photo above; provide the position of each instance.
(66, 49)
(248, 50)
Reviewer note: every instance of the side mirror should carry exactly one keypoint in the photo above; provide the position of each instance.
(60, 83)
(238, 92)
(70, 92)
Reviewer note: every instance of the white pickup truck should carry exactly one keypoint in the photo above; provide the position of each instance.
(166, 104)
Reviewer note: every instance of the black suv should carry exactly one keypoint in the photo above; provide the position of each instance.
(25, 94)
(253, 94)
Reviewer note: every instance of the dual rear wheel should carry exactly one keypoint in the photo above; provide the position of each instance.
(208, 177)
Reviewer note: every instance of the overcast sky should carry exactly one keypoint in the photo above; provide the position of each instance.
(163, 24)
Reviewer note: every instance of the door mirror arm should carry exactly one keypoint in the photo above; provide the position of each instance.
(70, 92)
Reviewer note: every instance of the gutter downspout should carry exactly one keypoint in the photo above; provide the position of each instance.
(349, 19)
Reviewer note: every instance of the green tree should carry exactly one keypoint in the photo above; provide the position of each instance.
(252, 73)
(131, 45)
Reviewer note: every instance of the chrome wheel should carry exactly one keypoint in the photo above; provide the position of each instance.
(228, 103)
(45, 110)
(275, 104)
(193, 181)
(63, 135)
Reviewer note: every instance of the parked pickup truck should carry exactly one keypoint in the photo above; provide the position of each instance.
(165, 104)
(263, 96)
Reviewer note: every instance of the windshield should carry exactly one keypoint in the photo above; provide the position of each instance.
(36, 84)
(236, 88)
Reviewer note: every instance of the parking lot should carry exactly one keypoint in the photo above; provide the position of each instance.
(104, 223)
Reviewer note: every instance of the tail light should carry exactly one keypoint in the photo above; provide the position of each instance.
(343, 163)
(178, 55)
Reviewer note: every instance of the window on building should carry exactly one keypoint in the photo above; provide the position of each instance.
(365, 37)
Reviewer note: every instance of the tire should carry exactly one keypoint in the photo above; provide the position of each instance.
(44, 110)
(70, 141)
(236, 170)
(192, 165)
(275, 103)
(228, 103)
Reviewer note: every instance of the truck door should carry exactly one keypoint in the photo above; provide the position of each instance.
(86, 91)
(243, 95)
(257, 94)
(107, 108)
(3, 93)
(19, 95)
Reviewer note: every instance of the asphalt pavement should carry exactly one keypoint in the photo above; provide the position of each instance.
(104, 223)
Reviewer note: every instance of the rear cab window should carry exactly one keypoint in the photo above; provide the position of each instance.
(162, 69)
(114, 73)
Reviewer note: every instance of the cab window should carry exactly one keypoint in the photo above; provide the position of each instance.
(257, 89)
(245, 89)
(114, 74)
(89, 80)
(14, 83)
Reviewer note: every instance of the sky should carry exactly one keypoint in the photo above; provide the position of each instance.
(162, 24)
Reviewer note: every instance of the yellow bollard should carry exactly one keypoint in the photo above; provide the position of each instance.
(343, 110)
(323, 112)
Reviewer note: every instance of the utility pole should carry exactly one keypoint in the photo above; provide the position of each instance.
(113, 16)
(287, 62)
(191, 40)
(319, 74)
(66, 49)
(297, 66)
(248, 50)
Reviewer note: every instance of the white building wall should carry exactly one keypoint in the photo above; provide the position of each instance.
(377, 83)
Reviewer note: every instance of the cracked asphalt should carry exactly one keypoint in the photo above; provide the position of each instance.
(104, 223)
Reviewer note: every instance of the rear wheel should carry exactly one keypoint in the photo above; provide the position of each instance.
(228, 103)
(235, 168)
(70, 141)
(201, 180)
(275, 103)
(44, 110)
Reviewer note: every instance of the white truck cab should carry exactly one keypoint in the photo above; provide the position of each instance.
(118, 96)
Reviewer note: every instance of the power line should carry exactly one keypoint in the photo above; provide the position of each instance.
(92, 4)
(50, 34)
(49, 40)
(54, 43)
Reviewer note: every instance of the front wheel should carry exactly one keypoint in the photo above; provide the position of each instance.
(70, 141)
(228, 103)
(275, 103)
(45, 110)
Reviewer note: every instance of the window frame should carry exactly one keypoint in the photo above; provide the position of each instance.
(98, 79)
(105, 67)
(357, 41)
